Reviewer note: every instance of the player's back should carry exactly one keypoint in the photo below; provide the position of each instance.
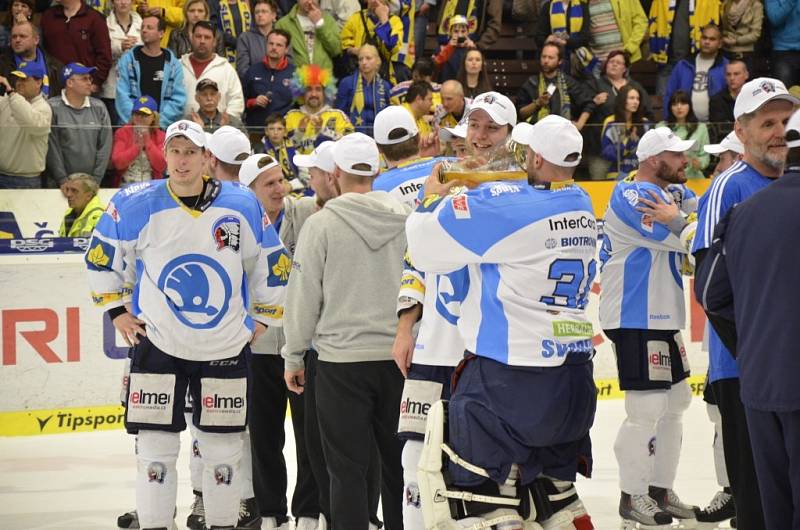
(405, 181)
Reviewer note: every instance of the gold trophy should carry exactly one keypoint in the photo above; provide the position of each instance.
(503, 163)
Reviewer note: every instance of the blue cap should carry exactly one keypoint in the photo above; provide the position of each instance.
(76, 69)
(26, 69)
(145, 105)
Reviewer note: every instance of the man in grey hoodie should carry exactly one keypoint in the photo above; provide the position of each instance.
(341, 298)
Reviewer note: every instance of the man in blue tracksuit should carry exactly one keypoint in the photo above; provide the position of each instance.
(267, 84)
(702, 76)
(761, 111)
(737, 284)
(151, 70)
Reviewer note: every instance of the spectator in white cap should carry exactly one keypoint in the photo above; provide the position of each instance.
(342, 299)
(728, 151)
(398, 140)
(320, 166)
(548, 159)
(263, 174)
(490, 118)
(643, 245)
(762, 110)
(228, 148)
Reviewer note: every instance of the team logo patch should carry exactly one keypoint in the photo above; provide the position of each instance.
(223, 474)
(412, 495)
(100, 256)
(651, 446)
(156, 472)
(461, 207)
(196, 449)
(227, 232)
(198, 290)
(767, 86)
(280, 265)
(550, 243)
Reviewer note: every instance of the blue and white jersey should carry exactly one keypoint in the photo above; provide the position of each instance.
(684, 197)
(441, 295)
(530, 258)
(641, 264)
(731, 187)
(405, 181)
(199, 276)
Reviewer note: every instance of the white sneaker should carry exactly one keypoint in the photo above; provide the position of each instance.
(306, 523)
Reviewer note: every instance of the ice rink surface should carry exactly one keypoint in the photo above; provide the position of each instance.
(85, 480)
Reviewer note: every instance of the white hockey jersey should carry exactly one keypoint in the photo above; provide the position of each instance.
(530, 258)
(201, 277)
(441, 295)
(405, 181)
(641, 263)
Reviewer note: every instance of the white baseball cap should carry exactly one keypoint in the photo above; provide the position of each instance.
(656, 141)
(391, 119)
(754, 94)
(553, 137)
(189, 129)
(254, 166)
(321, 157)
(497, 106)
(729, 143)
(230, 145)
(357, 153)
(793, 131)
(446, 134)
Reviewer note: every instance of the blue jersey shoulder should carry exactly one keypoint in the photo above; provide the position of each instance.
(392, 178)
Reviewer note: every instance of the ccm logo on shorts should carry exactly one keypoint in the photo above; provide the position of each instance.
(223, 402)
(659, 363)
(418, 396)
(151, 398)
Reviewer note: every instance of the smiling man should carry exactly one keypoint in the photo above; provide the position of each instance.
(205, 286)
(762, 110)
(490, 120)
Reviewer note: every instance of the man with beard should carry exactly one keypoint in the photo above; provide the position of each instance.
(642, 311)
(762, 110)
(315, 121)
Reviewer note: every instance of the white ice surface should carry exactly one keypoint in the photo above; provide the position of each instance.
(84, 481)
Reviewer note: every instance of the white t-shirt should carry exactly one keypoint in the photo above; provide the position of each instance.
(310, 33)
(700, 87)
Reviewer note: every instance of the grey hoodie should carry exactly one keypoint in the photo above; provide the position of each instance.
(342, 292)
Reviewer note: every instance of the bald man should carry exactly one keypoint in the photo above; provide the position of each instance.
(454, 105)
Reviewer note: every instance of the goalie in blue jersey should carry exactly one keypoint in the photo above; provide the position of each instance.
(530, 255)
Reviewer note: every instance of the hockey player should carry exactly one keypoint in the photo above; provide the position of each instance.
(264, 175)
(227, 149)
(490, 128)
(342, 299)
(398, 140)
(728, 151)
(527, 337)
(200, 248)
(762, 110)
(642, 311)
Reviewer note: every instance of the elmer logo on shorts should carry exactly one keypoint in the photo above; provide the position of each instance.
(461, 207)
(224, 402)
(659, 363)
(151, 398)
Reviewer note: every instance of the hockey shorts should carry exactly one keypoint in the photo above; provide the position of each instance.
(649, 359)
(425, 385)
(537, 418)
(158, 386)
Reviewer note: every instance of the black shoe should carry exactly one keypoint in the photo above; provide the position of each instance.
(128, 520)
(249, 517)
(197, 519)
(720, 509)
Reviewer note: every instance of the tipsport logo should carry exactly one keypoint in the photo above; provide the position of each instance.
(198, 290)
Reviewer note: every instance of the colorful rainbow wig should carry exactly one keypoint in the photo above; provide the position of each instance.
(310, 75)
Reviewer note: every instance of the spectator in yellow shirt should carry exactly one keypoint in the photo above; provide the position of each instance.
(85, 207)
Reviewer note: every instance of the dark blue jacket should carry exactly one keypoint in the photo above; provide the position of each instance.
(755, 255)
(682, 78)
(271, 82)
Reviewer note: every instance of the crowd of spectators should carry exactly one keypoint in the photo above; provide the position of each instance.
(72, 70)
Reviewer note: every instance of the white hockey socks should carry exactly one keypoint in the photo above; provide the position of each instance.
(156, 477)
(222, 488)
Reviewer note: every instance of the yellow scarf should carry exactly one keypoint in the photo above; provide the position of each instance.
(662, 14)
(229, 25)
(450, 10)
(562, 14)
(360, 99)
